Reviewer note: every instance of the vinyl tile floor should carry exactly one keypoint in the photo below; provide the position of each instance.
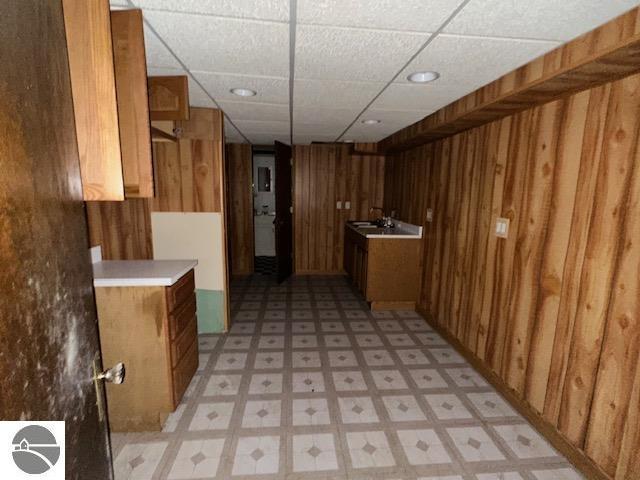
(309, 383)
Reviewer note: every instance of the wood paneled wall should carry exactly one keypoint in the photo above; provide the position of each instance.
(189, 177)
(123, 229)
(240, 195)
(188, 174)
(554, 309)
(324, 175)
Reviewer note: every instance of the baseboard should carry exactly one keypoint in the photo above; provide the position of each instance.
(576, 456)
(393, 306)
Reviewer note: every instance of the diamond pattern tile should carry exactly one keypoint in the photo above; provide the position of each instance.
(335, 406)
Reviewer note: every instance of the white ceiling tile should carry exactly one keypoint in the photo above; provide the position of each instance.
(424, 98)
(216, 44)
(157, 54)
(410, 15)
(269, 89)
(325, 116)
(370, 133)
(544, 19)
(119, 3)
(198, 97)
(334, 94)
(255, 111)
(232, 135)
(250, 127)
(331, 53)
(324, 129)
(394, 117)
(307, 139)
(474, 61)
(277, 10)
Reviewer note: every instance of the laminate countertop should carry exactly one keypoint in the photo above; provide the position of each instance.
(139, 273)
(400, 230)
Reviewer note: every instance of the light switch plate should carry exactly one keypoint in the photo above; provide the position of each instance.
(429, 215)
(347, 205)
(339, 205)
(502, 227)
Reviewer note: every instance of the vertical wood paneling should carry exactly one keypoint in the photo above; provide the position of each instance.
(621, 134)
(123, 229)
(240, 194)
(324, 175)
(554, 308)
(187, 174)
(189, 177)
(581, 220)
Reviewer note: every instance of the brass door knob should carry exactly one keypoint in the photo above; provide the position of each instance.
(115, 374)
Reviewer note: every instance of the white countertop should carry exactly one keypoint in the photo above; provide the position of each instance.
(401, 230)
(139, 273)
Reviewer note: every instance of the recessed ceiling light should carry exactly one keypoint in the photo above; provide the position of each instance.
(423, 77)
(243, 92)
(370, 121)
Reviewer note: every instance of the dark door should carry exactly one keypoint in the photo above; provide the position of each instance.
(48, 328)
(284, 217)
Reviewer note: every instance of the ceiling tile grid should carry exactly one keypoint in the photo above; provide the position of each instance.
(350, 57)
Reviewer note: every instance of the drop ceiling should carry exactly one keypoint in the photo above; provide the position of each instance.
(320, 67)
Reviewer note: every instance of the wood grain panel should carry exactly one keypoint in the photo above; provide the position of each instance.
(90, 51)
(324, 175)
(189, 178)
(552, 310)
(240, 194)
(605, 54)
(133, 108)
(169, 97)
(123, 229)
(188, 173)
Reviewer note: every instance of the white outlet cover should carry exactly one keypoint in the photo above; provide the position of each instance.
(429, 214)
(339, 205)
(502, 227)
(347, 205)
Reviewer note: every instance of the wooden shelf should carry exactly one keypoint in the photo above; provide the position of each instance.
(158, 135)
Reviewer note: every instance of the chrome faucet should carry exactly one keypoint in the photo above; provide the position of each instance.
(386, 221)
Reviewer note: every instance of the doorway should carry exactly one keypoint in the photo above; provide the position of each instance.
(264, 211)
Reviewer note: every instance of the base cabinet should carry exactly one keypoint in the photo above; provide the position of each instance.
(384, 270)
(153, 330)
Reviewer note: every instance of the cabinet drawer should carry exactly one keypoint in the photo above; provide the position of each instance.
(180, 291)
(184, 372)
(181, 345)
(181, 316)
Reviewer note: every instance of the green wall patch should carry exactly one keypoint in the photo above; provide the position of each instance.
(210, 310)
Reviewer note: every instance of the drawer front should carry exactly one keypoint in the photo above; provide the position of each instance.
(180, 346)
(180, 291)
(184, 372)
(181, 316)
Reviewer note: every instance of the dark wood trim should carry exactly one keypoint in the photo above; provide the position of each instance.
(577, 457)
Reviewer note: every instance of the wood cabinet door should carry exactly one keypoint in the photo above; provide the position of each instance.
(48, 327)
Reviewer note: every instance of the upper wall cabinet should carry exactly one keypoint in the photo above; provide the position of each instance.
(88, 31)
(108, 82)
(133, 107)
(169, 98)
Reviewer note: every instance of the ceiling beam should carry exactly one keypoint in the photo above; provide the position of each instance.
(607, 53)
